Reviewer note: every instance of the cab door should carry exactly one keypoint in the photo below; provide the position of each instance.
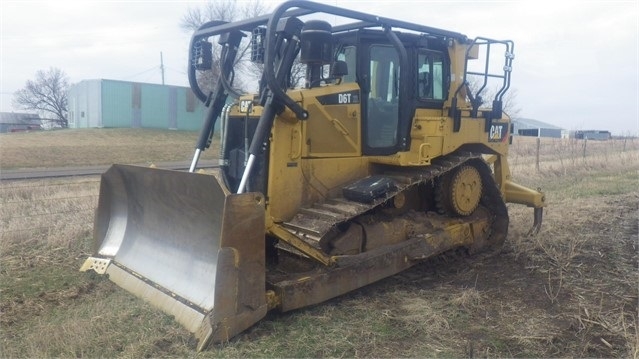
(380, 100)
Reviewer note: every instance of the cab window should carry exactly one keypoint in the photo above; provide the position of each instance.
(430, 76)
(348, 55)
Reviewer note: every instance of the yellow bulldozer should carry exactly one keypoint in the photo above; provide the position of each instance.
(386, 155)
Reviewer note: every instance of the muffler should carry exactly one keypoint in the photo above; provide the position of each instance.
(184, 243)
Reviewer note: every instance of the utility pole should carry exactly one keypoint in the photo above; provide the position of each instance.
(162, 67)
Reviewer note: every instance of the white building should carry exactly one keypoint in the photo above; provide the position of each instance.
(113, 103)
(534, 128)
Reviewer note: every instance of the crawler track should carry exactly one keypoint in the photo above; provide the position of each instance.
(313, 223)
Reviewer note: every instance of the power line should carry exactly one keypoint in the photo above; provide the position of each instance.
(141, 73)
(183, 72)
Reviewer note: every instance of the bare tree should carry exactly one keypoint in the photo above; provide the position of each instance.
(226, 10)
(509, 100)
(510, 103)
(46, 94)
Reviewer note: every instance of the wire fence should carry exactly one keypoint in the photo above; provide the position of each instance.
(556, 156)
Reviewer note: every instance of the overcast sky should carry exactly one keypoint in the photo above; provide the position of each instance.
(576, 63)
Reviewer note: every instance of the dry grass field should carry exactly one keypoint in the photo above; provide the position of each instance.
(85, 147)
(570, 291)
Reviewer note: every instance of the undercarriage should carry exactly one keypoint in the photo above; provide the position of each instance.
(349, 244)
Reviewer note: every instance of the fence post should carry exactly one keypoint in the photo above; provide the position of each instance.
(537, 154)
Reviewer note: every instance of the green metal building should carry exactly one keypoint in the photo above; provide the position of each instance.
(112, 103)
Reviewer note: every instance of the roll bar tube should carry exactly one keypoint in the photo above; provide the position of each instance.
(294, 8)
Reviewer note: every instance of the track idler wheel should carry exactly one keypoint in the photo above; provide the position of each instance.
(459, 191)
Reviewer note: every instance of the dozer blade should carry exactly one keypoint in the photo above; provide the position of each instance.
(184, 243)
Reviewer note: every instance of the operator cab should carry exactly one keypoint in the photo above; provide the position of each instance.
(390, 94)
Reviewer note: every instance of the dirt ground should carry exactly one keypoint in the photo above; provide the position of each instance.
(583, 302)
